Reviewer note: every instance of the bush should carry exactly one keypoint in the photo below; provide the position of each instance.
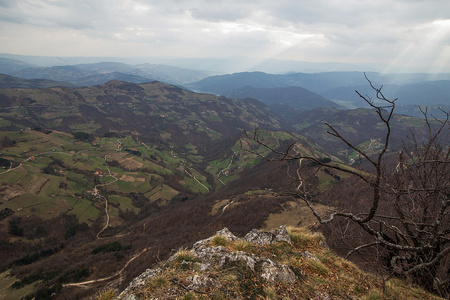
(81, 136)
(14, 229)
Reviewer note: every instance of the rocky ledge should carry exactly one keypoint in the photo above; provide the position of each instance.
(283, 264)
(208, 257)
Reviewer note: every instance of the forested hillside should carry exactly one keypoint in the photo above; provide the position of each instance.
(101, 182)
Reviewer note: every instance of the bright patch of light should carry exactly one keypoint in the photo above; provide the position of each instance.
(141, 8)
(398, 59)
(229, 28)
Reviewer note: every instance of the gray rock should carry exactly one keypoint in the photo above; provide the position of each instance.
(137, 282)
(268, 237)
(223, 232)
(203, 266)
(199, 282)
(128, 297)
(209, 253)
(227, 234)
(277, 273)
(209, 257)
(240, 256)
(308, 254)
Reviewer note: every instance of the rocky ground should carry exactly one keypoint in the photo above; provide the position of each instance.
(284, 263)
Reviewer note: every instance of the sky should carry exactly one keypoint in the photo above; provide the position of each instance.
(390, 34)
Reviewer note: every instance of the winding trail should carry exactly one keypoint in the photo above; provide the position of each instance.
(9, 170)
(119, 273)
(97, 193)
(195, 178)
(21, 163)
(370, 145)
(226, 168)
(107, 219)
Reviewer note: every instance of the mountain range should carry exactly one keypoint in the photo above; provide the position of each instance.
(98, 73)
(412, 89)
(101, 180)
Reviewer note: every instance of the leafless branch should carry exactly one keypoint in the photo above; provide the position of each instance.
(408, 214)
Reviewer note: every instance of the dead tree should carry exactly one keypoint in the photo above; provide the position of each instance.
(408, 213)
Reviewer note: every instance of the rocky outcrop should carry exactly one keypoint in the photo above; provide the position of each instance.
(262, 265)
(268, 237)
(209, 257)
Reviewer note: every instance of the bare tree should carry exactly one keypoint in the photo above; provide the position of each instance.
(408, 210)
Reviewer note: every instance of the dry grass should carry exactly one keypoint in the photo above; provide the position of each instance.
(107, 294)
(218, 240)
(304, 238)
(184, 255)
(295, 214)
(242, 245)
(319, 274)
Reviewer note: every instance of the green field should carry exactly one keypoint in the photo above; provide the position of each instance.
(63, 172)
(84, 210)
(125, 203)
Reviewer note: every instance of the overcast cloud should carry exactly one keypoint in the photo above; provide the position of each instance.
(393, 34)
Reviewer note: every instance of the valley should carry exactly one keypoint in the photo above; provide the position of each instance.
(98, 183)
(224, 150)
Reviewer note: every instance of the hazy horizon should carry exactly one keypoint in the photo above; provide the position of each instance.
(384, 36)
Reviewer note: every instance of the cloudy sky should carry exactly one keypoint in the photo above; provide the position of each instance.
(389, 33)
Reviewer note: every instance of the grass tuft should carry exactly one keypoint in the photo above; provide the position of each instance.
(242, 245)
(327, 257)
(108, 294)
(219, 240)
(185, 255)
(270, 292)
(303, 238)
(318, 267)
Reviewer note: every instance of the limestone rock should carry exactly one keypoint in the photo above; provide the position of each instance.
(240, 256)
(308, 254)
(277, 274)
(208, 257)
(201, 282)
(223, 232)
(268, 237)
(138, 282)
(227, 234)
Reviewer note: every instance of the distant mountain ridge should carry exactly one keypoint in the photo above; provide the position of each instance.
(9, 66)
(430, 90)
(99, 73)
(315, 82)
(412, 89)
(161, 112)
(419, 93)
(294, 96)
(7, 81)
(147, 109)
